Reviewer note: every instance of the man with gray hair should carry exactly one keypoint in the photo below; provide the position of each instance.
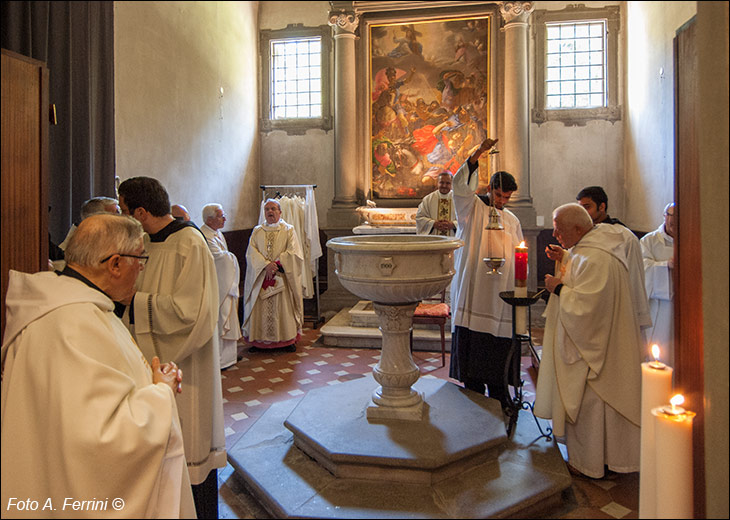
(100, 205)
(83, 413)
(590, 375)
(657, 248)
(229, 277)
(90, 207)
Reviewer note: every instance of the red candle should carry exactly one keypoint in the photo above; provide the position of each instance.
(520, 263)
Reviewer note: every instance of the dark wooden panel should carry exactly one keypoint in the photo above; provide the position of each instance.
(24, 231)
(688, 316)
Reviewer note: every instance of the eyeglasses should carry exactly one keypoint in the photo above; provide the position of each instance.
(142, 258)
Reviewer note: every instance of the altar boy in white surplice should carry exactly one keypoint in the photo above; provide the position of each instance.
(174, 314)
(273, 305)
(436, 215)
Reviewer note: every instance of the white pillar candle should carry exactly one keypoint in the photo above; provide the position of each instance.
(674, 482)
(656, 387)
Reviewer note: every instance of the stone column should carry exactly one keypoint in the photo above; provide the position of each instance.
(514, 144)
(342, 213)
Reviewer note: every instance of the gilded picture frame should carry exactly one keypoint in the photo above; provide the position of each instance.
(429, 99)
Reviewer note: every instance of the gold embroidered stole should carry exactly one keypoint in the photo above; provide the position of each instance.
(444, 211)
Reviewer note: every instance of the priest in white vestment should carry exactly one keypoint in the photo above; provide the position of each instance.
(658, 250)
(481, 323)
(273, 305)
(595, 201)
(436, 214)
(590, 371)
(229, 275)
(174, 314)
(84, 416)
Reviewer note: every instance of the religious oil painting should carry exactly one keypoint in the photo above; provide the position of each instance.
(429, 99)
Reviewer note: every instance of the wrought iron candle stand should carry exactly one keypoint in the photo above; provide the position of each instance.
(513, 361)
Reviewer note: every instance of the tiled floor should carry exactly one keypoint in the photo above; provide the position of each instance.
(263, 378)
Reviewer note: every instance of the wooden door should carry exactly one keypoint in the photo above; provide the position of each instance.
(688, 317)
(24, 223)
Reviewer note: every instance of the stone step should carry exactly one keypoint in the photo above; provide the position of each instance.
(520, 477)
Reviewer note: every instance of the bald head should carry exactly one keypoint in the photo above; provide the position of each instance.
(101, 235)
(180, 212)
(445, 181)
(570, 223)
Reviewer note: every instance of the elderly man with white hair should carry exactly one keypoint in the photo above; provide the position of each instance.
(590, 375)
(229, 276)
(84, 414)
(273, 305)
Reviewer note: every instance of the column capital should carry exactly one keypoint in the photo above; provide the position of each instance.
(344, 22)
(516, 12)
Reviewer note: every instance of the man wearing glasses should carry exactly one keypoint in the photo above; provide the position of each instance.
(657, 248)
(174, 315)
(84, 415)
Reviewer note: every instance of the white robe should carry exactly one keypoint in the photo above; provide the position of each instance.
(229, 276)
(427, 213)
(277, 320)
(302, 214)
(633, 254)
(176, 318)
(658, 249)
(81, 417)
(592, 339)
(475, 300)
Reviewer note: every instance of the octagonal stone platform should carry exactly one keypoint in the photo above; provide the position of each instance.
(337, 464)
(331, 426)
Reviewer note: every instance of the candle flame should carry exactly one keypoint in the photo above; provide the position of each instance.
(677, 400)
(655, 351)
(522, 244)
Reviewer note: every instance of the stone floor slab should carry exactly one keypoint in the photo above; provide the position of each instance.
(527, 473)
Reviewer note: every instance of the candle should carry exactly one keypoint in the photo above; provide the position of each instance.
(656, 363)
(521, 264)
(656, 385)
(521, 287)
(673, 441)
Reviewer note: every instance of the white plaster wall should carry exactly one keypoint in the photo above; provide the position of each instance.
(566, 159)
(299, 159)
(649, 114)
(172, 120)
